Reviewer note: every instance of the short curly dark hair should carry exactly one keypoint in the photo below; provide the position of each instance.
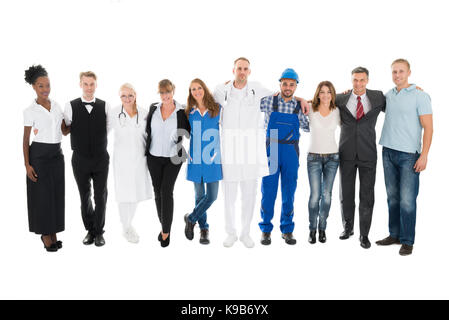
(35, 72)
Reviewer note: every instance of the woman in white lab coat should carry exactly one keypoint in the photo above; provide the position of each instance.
(131, 177)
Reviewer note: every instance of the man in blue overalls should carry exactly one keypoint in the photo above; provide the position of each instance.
(283, 118)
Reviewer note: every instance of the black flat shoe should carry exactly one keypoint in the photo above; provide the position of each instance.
(52, 248)
(166, 242)
(89, 239)
(322, 236)
(346, 234)
(99, 241)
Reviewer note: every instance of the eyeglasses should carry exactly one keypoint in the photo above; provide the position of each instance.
(130, 97)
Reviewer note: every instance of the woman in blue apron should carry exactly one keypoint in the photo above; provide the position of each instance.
(204, 163)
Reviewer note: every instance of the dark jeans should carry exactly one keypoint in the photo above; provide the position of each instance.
(86, 170)
(322, 170)
(367, 176)
(402, 183)
(163, 175)
(203, 200)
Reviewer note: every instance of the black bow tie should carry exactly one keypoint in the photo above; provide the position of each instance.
(88, 103)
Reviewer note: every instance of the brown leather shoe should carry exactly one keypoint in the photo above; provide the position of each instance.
(388, 241)
(406, 250)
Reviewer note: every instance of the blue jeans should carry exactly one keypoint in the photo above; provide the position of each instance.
(402, 183)
(203, 201)
(322, 171)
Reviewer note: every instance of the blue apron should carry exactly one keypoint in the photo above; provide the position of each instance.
(283, 155)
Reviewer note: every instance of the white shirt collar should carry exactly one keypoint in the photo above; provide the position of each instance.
(362, 96)
(84, 100)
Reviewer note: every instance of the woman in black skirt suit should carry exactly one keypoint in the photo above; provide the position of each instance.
(44, 161)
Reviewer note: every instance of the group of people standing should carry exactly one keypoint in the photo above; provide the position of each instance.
(238, 134)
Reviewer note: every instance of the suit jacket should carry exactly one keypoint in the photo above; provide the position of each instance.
(358, 138)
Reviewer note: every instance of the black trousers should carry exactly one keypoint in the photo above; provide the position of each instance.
(367, 177)
(163, 175)
(94, 169)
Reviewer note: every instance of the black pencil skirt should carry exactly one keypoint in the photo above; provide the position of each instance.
(45, 197)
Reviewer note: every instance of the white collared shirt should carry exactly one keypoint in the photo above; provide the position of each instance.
(163, 133)
(68, 112)
(352, 104)
(47, 123)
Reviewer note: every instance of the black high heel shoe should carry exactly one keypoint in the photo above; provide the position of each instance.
(52, 248)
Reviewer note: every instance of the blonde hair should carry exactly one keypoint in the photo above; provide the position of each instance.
(88, 74)
(404, 61)
(130, 87)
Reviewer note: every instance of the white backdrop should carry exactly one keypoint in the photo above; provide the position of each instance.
(142, 42)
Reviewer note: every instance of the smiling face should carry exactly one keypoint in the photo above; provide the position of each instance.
(197, 92)
(325, 95)
(166, 97)
(128, 97)
(359, 83)
(88, 84)
(241, 71)
(288, 88)
(400, 73)
(42, 88)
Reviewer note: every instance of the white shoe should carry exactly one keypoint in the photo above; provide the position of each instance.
(247, 241)
(229, 241)
(131, 235)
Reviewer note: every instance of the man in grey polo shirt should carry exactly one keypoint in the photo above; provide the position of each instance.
(408, 111)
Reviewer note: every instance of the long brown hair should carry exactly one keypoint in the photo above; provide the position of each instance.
(208, 100)
(316, 97)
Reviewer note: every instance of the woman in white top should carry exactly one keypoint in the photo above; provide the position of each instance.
(44, 161)
(131, 177)
(323, 158)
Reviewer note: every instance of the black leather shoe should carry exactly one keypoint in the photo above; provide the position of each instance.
(346, 234)
(204, 236)
(266, 238)
(52, 248)
(99, 241)
(312, 237)
(364, 242)
(89, 239)
(289, 239)
(406, 250)
(322, 236)
(388, 241)
(59, 244)
(166, 242)
(189, 227)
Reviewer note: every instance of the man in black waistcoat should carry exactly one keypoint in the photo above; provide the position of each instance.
(359, 110)
(86, 117)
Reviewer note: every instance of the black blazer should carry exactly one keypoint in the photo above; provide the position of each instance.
(183, 123)
(358, 138)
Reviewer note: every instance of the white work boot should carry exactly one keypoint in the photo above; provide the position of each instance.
(247, 241)
(229, 241)
(131, 235)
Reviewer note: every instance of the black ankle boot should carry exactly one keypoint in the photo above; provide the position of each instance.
(322, 236)
(312, 237)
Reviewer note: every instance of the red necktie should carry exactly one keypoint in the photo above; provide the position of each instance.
(360, 112)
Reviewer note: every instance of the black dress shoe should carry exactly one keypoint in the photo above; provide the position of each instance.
(346, 234)
(52, 248)
(89, 239)
(289, 239)
(189, 227)
(99, 240)
(59, 244)
(266, 238)
(364, 242)
(312, 237)
(204, 236)
(322, 236)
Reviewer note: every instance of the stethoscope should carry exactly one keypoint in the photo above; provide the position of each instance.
(122, 120)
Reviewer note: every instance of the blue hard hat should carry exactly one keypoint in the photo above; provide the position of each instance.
(289, 74)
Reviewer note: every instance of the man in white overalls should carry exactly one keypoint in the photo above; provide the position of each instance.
(244, 157)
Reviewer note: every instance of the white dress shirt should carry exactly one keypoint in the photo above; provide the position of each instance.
(352, 104)
(47, 123)
(68, 112)
(322, 129)
(163, 133)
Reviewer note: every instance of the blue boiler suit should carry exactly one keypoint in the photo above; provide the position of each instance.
(283, 156)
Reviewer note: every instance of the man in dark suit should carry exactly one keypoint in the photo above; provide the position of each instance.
(359, 110)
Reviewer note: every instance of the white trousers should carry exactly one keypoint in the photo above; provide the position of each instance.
(127, 211)
(248, 199)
